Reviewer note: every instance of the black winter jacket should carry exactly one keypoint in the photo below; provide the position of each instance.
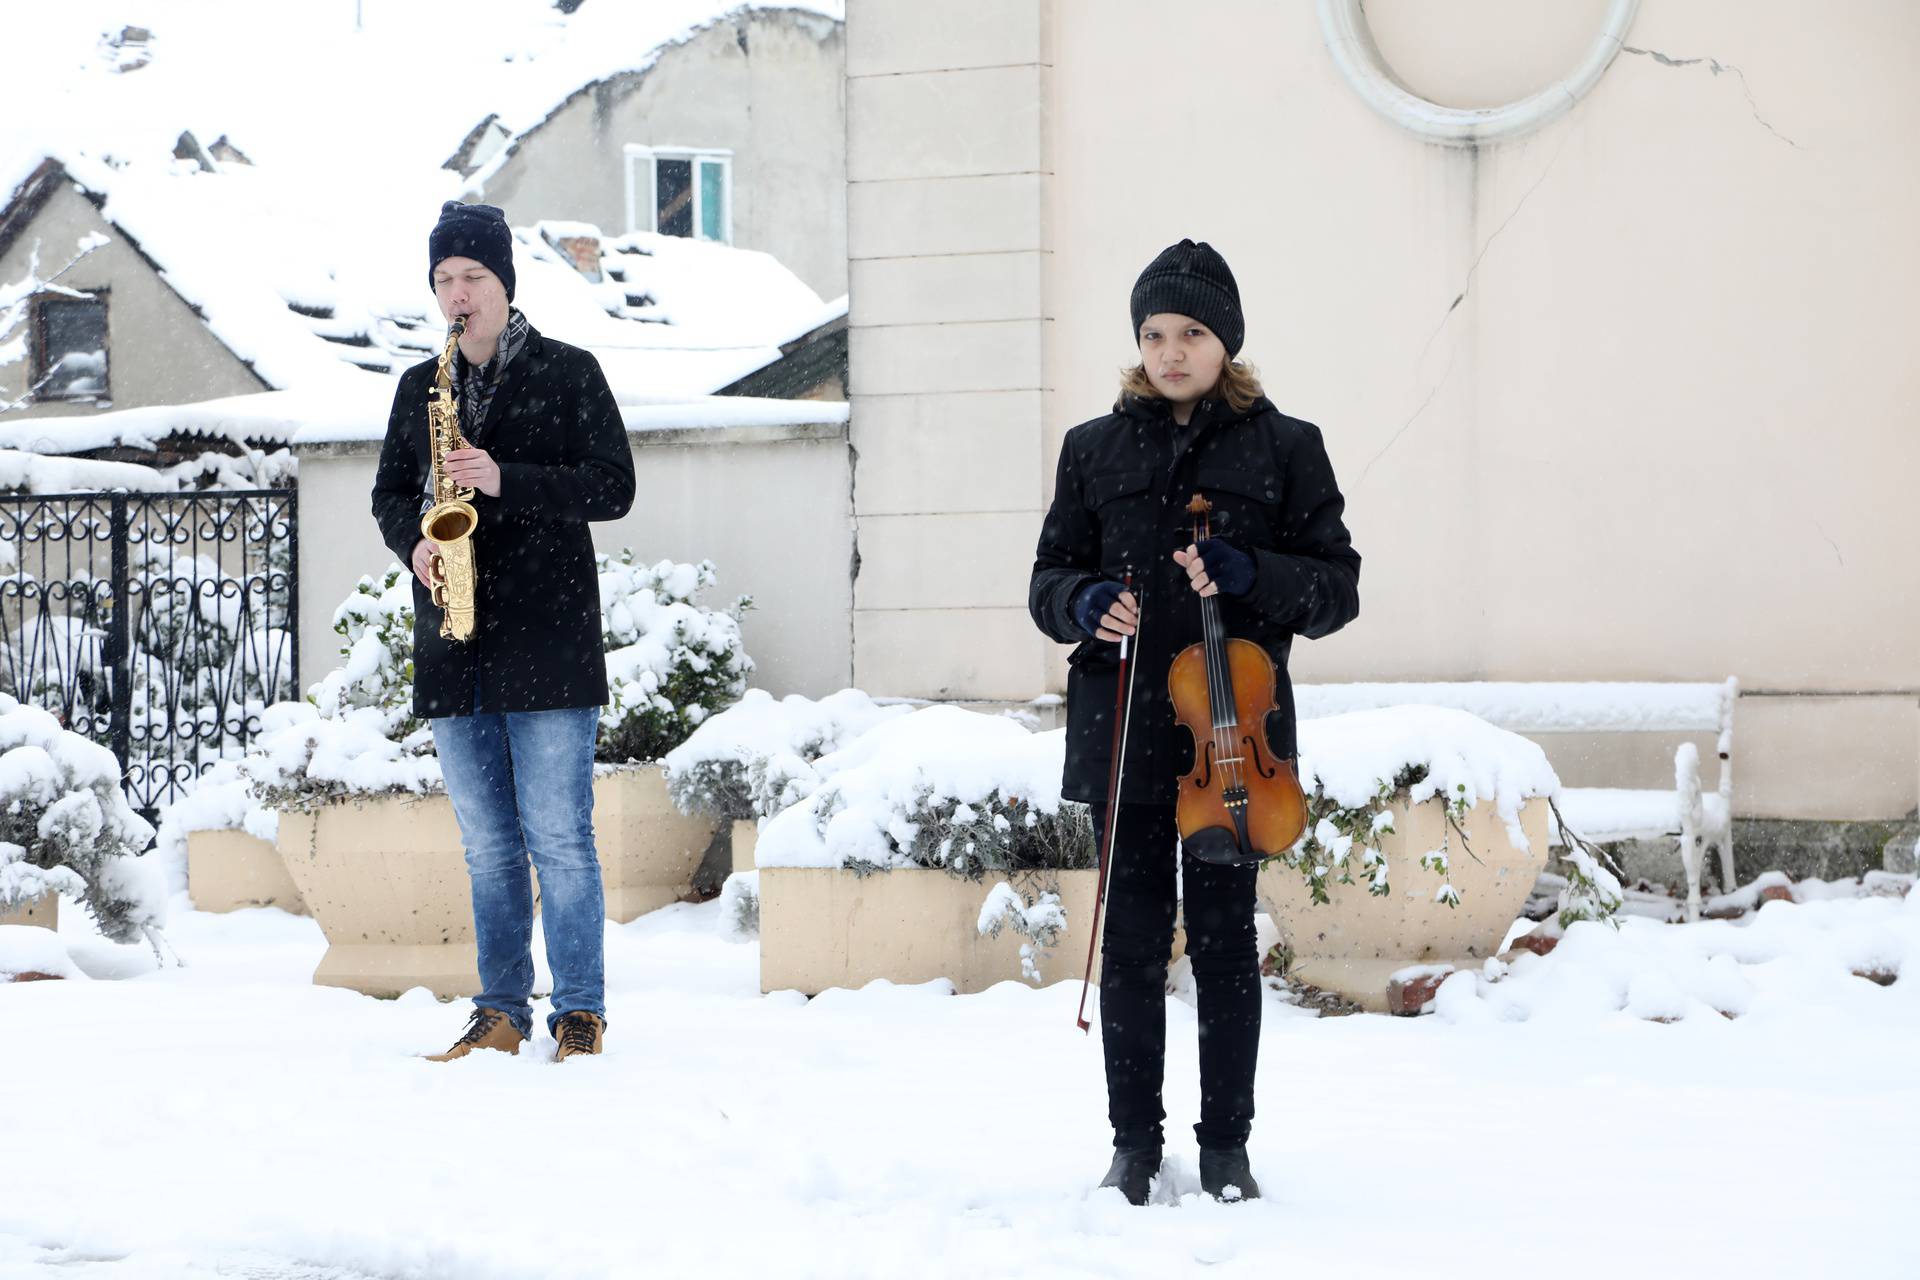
(564, 460)
(1120, 499)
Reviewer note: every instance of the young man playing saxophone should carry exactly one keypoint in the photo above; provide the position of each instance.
(515, 706)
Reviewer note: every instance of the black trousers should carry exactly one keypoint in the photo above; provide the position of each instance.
(1134, 948)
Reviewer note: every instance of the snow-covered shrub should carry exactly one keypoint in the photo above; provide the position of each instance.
(376, 622)
(1040, 919)
(1355, 768)
(740, 906)
(942, 787)
(65, 826)
(757, 757)
(356, 734)
(675, 662)
(969, 794)
(671, 662)
(1592, 892)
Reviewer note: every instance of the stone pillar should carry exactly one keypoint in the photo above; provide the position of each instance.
(948, 172)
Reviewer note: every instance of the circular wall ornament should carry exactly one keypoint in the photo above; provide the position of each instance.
(1343, 23)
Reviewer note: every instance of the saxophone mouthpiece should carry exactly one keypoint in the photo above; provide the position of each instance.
(459, 325)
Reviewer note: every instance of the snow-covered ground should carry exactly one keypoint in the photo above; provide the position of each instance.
(230, 1119)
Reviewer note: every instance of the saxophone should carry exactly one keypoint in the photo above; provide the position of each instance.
(450, 521)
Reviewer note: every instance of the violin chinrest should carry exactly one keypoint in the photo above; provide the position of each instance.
(1219, 846)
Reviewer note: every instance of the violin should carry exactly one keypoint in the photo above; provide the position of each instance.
(1240, 804)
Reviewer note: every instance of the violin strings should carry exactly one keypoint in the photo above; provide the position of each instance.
(1221, 711)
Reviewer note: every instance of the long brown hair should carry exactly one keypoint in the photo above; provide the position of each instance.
(1239, 385)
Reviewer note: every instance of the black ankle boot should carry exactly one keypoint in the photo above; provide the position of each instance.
(1226, 1175)
(1133, 1172)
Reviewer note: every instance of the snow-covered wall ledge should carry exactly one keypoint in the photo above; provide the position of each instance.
(665, 435)
(1349, 39)
(701, 423)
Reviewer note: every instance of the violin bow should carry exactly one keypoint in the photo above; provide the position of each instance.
(1116, 773)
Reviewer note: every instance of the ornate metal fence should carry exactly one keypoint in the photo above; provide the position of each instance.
(160, 625)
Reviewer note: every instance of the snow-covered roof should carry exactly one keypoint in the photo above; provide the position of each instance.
(302, 87)
(309, 262)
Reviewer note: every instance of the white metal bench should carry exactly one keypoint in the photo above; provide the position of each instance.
(1695, 818)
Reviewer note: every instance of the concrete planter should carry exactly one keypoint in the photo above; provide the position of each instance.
(648, 849)
(822, 928)
(228, 870)
(1353, 944)
(386, 878)
(746, 836)
(43, 911)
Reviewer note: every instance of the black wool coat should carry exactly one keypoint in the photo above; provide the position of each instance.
(1120, 498)
(564, 460)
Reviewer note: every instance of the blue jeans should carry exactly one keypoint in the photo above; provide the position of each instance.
(522, 786)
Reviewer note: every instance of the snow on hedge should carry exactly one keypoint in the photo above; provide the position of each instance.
(1347, 758)
(671, 661)
(758, 756)
(66, 827)
(940, 787)
(1357, 768)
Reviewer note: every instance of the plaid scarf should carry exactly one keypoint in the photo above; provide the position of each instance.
(479, 382)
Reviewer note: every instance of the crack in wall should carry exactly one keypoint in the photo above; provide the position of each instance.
(1432, 391)
(1830, 542)
(1718, 68)
(1466, 288)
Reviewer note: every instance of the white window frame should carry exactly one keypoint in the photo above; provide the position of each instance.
(642, 188)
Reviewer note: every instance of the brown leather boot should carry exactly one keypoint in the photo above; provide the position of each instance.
(578, 1033)
(487, 1029)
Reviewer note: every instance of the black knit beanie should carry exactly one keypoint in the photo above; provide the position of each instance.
(477, 231)
(1192, 280)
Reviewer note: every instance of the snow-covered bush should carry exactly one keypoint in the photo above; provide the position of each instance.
(671, 662)
(757, 757)
(969, 794)
(1355, 768)
(1592, 892)
(740, 906)
(942, 787)
(356, 733)
(66, 827)
(376, 622)
(1040, 919)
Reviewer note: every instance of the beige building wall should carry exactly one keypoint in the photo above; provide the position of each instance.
(947, 239)
(766, 84)
(1628, 397)
(158, 351)
(768, 505)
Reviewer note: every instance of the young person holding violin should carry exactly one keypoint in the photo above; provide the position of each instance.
(1191, 420)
